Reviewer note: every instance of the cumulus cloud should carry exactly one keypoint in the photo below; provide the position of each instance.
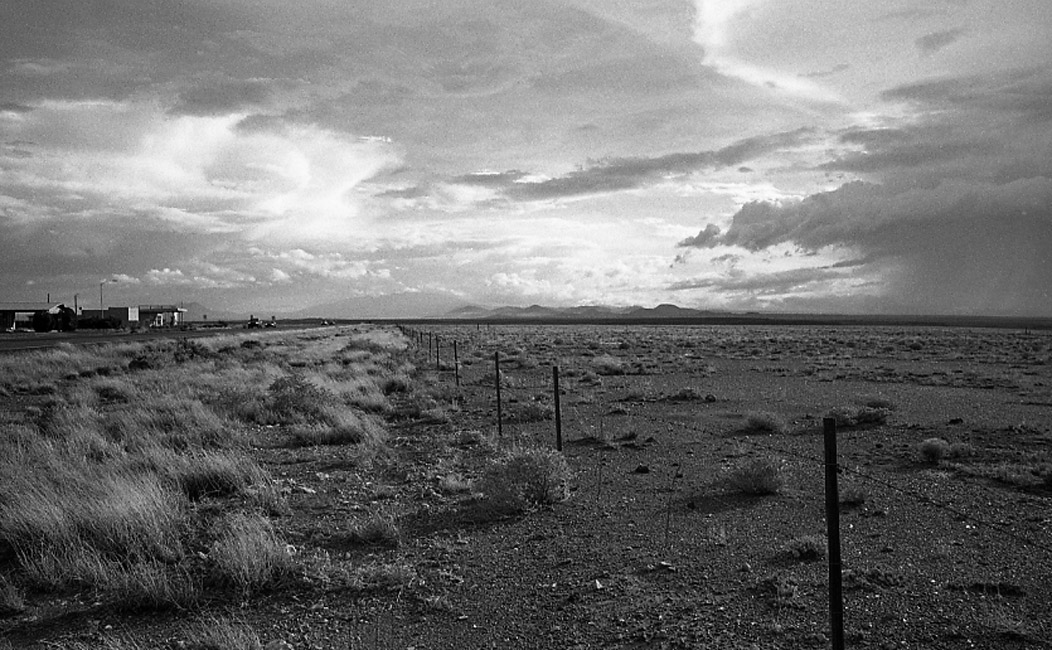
(102, 160)
(707, 238)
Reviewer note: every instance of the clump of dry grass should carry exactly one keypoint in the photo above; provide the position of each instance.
(249, 554)
(378, 529)
(758, 476)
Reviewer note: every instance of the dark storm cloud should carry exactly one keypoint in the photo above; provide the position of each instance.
(501, 179)
(958, 247)
(986, 128)
(620, 174)
(959, 210)
(760, 284)
(707, 238)
(931, 43)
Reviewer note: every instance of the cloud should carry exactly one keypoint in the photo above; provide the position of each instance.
(715, 24)
(222, 97)
(763, 284)
(954, 248)
(840, 67)
(620, 174)
(103, 160)
(956, 213)
(931, 43)
(707, 238)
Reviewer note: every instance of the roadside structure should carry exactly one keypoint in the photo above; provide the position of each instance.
(19, 315)
(125, 316)
(160, 315)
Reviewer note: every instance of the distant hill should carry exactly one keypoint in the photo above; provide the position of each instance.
(585, 312)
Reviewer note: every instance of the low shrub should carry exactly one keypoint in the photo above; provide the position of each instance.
(848, 416)
(524, 478)
(807, 548)
(608, 365)
(758, 476)
(853, 496)
(454, 484)
(764, 422)
(933, 450)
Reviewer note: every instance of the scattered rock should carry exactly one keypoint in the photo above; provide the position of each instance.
(641, 469)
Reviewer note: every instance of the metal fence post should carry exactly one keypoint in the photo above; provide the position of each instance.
(836, 596)
(496, 365)
(558, 410)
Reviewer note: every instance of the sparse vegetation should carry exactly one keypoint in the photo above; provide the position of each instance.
(807, 548)
(933, 450)
(857, 416)
(378, 529)
(287, 493)
(524, 478)
(758, 476)
(248, 553)
(763, 422)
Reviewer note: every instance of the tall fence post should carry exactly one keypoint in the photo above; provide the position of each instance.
(836, 596)
(558, 410)
(430, 337)
(438, 353)
(496, 374)
(456, 363)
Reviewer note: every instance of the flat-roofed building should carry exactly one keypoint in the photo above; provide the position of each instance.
(160, 315)
(125, 316)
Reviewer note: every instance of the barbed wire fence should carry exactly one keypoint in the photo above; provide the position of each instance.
(527, 396)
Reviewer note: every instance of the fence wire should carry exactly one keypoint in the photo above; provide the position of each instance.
(513, 387)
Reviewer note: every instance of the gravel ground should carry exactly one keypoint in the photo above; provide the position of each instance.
(653, 549)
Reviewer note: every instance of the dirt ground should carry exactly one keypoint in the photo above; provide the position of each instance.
(654, 549)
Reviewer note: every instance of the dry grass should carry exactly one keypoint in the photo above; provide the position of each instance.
(98, 485)
(221, 634)
(249, 554)
(764, 422)
(524, 478)
(758, 476)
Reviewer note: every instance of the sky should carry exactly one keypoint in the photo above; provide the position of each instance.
(405, 157)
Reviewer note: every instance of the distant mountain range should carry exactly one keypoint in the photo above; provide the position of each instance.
(588, 312)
